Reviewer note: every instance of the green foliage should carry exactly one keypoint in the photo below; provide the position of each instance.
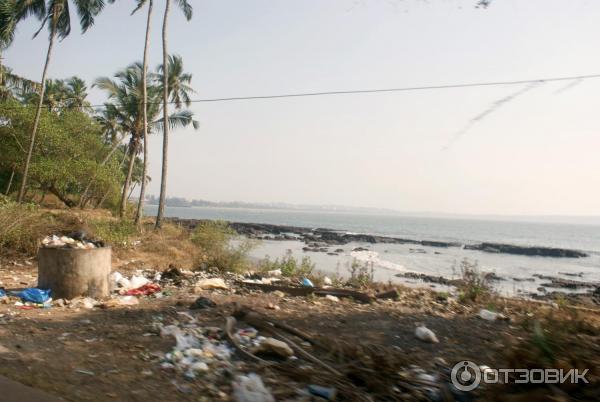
(474, 284)
(68, 154)
(221, 247)
(114, 232)
(361, 275)
(289, 265)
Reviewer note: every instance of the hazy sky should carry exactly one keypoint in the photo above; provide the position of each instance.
(537, 154)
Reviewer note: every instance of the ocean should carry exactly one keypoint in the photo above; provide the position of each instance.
(390, 259)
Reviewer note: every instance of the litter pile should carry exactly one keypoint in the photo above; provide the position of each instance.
(77, 240)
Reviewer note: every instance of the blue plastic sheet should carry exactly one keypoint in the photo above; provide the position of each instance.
(34, 295)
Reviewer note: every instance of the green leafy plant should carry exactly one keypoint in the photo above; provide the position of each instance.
(473, 284)
(289, 265)
(221, 247)
(361, 274)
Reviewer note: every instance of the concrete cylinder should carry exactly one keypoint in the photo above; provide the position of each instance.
(71, 272)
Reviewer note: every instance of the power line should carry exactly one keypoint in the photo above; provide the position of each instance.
(379, 90)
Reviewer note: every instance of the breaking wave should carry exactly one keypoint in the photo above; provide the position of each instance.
(373, 257)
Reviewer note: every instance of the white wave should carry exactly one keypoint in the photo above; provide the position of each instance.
(373, 257)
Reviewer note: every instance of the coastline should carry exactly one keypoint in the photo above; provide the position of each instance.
(264, 231)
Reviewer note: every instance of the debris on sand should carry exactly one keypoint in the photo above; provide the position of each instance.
(212, 283)
(490, 315)
(425, 334)
(273, 346)
(250, 388)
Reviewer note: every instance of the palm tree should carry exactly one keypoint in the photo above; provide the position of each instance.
(126, 96)
(186, 8)
(58, 17)
(10, 82)
(76, 94)
(140, 207)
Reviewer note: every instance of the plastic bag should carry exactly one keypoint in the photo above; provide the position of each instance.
(34, 295)
(2, 292)
(250, 388)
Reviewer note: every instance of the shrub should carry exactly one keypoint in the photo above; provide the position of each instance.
(221, 246)
(473, 284)
(114, 232)
(361, 275)
(21, 226)
(289, 265)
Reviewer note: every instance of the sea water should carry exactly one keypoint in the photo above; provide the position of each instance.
(391, 259)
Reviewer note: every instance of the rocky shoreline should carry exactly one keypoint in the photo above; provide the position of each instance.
(318, 239)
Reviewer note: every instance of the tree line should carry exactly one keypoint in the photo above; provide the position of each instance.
(51, 138)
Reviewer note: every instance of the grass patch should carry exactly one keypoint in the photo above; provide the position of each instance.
(21, 226)
(289, 266)
(112, 231)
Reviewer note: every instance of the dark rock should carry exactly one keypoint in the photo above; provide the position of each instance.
(523, 250)
(202, 303)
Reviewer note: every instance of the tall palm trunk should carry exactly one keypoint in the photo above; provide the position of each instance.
(38, 112)
(163, 178)
(124, 196)
(140, 206)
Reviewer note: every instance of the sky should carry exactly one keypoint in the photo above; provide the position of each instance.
(536, 154)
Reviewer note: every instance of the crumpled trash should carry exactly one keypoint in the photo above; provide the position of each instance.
(425, 334)
(274, 346)
(212, 283)
(85, 302)
(137, 281)
(307, 282)
(327, 281)
(144, 290)
(250, 388)
(490, 315)
(2, 292)
(34, 295)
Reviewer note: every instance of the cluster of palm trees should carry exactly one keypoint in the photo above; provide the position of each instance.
(56, 15)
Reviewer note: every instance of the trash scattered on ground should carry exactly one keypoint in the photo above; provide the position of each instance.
(490, 315)
(76, 240)
(275, 272)
(83, 302)
(33, 295)
(202, 303)
(212, 283)
(197, 350)
(273, 346)
(2, 292)
(327, 281)
(307, 282)
(144, 290)
(425, 334)
(120, 301)
(250, 388)
(324, 392)
(332, 298)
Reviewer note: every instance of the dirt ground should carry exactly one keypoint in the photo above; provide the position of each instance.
(114, 353)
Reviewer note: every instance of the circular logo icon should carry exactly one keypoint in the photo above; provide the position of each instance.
(465, 375)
